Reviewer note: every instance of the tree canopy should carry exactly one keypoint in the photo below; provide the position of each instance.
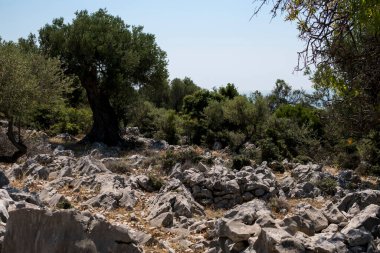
(27, 80)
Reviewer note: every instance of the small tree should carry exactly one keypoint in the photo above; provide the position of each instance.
(26, 80)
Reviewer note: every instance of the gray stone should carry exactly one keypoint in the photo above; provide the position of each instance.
(174, 197)
(296, 223)
(367, 219)
(333, 215)
(236, 230)
(274, 240)
(332, 228)
(358, 237)
(89, 166)
(248, 212)
(162, 220)
(361, 198)
(64, 231)
(316, 217)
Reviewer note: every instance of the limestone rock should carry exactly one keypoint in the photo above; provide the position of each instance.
(64, 231)
(275, 240)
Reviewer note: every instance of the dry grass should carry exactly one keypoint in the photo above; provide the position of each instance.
(332, 170)
(214, 213)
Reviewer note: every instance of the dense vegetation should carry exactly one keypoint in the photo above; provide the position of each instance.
(112, 76)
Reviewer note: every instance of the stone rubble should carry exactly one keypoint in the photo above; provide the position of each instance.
(176, 218)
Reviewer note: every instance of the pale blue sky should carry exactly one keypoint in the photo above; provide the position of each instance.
(211, 41)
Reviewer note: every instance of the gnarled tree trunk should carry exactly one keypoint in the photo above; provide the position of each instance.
(21, 148)
(105, 126)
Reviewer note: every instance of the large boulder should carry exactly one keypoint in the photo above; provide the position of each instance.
(333, 214)
(42, 231)
(367, 219)
(362, 199)
(316, 217)
(275, 240)
(295, 223)
(248, 212)
(324, 242)
(174, 198)
(236, 231)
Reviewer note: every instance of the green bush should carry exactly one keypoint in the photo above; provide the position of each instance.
(327, 186)
(303, 115)
(369, 150)
(239, 162)
(348, 156)
(167, 124)
(303, 159)
(155, 181)
(142, 114)
(64, 204)
(62, 119)
(185, 156)
(269, 151)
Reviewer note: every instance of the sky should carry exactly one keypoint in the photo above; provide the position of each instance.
(213, 42)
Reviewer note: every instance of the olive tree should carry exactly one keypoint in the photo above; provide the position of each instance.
(111, 59)
(26, 80)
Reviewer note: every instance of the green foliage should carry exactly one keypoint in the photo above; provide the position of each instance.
(167, 123)
(123, 56)
(194, 104)
(269, 150)
(285, 139)
(142, 114)
(239, 162)
(327, 186)
(112, 60)
(348, 156)
(369, 150)
(180, 89)
(28, 80)
(236, 140)
(304, 116)
(240, 113)
(229, 91)
(171, 158)
(279, 95)
(62, 119)
(304, 159)
(155, 181)
(64, 204)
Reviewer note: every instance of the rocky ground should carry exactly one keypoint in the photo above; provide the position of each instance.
(101, 199)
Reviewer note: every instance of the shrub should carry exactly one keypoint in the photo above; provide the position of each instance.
(252, 153)
(185, 156)
(167, 124)
(239, 162)
(327, 186)
(62, 119)
(369, 150)
(117, 166)
(155, 181)
(64, 204)
(142, 115)
(303, 159)
(269, 151)
(278, 204)
(348, 156)
(236, 140)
